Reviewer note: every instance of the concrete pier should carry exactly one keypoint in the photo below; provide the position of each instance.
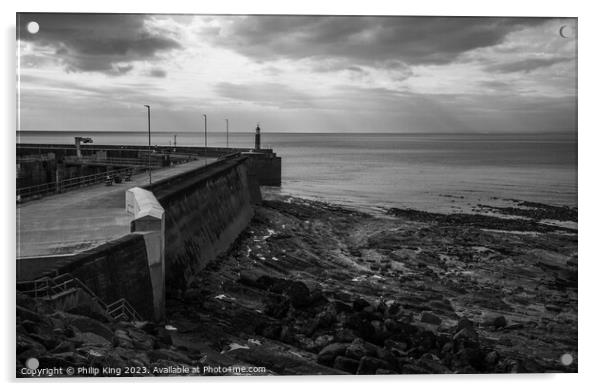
(78, 220)
(136, 241)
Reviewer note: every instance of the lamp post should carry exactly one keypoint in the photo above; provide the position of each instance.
(205, 117)
(227, 130)
(150, 179)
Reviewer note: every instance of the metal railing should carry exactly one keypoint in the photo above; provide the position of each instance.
(49, 287)
(69, 183)
(156, 161)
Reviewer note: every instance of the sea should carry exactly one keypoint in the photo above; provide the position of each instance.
(374, 171)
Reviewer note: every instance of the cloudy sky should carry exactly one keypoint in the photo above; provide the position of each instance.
(297, 73)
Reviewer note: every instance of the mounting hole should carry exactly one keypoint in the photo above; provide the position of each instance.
(32, 363)
(33, 27)
(566, 359)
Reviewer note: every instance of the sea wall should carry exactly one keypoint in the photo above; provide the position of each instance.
(115, 270)
(205, 211)
(266, 167)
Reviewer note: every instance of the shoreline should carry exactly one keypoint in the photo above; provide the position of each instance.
(316, 288)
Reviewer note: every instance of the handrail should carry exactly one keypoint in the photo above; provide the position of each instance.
(69, 183)
(138, 162)
(120, 309)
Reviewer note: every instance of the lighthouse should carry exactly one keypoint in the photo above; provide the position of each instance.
(257, 138)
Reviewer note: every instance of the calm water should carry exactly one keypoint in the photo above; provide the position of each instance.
(431, 172)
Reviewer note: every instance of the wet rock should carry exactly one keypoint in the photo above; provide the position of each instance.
(271, 330)
(492, 358)
(257, 279)
(356, 350)
(91, 339)
(496, 322)
(277, 306)
(359, 304)
(64, 346)
(411, 369)
(122, 339)
(91, 311)
(344, 335)
(330, 352)
(49, 340)
(369, 365)
(472, 356)
(429, 317)
(346, 364)
(323, 340)
(433, 365)
(85, 324)
(287, 334)
(381, 371)
(464, 322)
(299, 294)
(163, 336)
(553, 308)
(30, 326)
(26, 314)
(327, 317)
(72, 357)
(27, 347)
(466, 334)
(398, 349)
(391, 325)
(141, 340)
(169, 355)
(394, 309)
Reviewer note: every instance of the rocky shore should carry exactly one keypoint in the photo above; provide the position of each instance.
(314, 288)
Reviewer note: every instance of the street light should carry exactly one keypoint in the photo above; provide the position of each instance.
(205, 116)
(150, 179)
(227, 144)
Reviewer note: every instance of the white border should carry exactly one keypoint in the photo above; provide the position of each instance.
(590, 322)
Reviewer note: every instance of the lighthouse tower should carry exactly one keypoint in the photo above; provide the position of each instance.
(257, 138)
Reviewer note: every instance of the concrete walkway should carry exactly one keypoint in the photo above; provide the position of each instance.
(81, 219)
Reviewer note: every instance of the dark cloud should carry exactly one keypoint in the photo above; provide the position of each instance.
(365, 40)
(158, 72)
(527, 65)
(106, 43)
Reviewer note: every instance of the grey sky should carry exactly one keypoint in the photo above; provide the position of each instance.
(297, 73)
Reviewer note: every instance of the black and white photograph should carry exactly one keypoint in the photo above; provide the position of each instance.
(294, 194)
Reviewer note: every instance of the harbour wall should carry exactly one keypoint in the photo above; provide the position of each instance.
(205, 211)
(42, 163)
(178, 226)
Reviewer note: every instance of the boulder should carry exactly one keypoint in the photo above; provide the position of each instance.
(369, 365)
(429, 317)
(432, 365)
(356, 350)
(492, 358)
(330, 352)
(323, 340)
(346, 364)
(64, 346)
(466, 334)
(464, 322)
(85, 324)
(496, 322)
(344, 335)
(122, 339)
(359, 304)
(91, 339)
(299, 294)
